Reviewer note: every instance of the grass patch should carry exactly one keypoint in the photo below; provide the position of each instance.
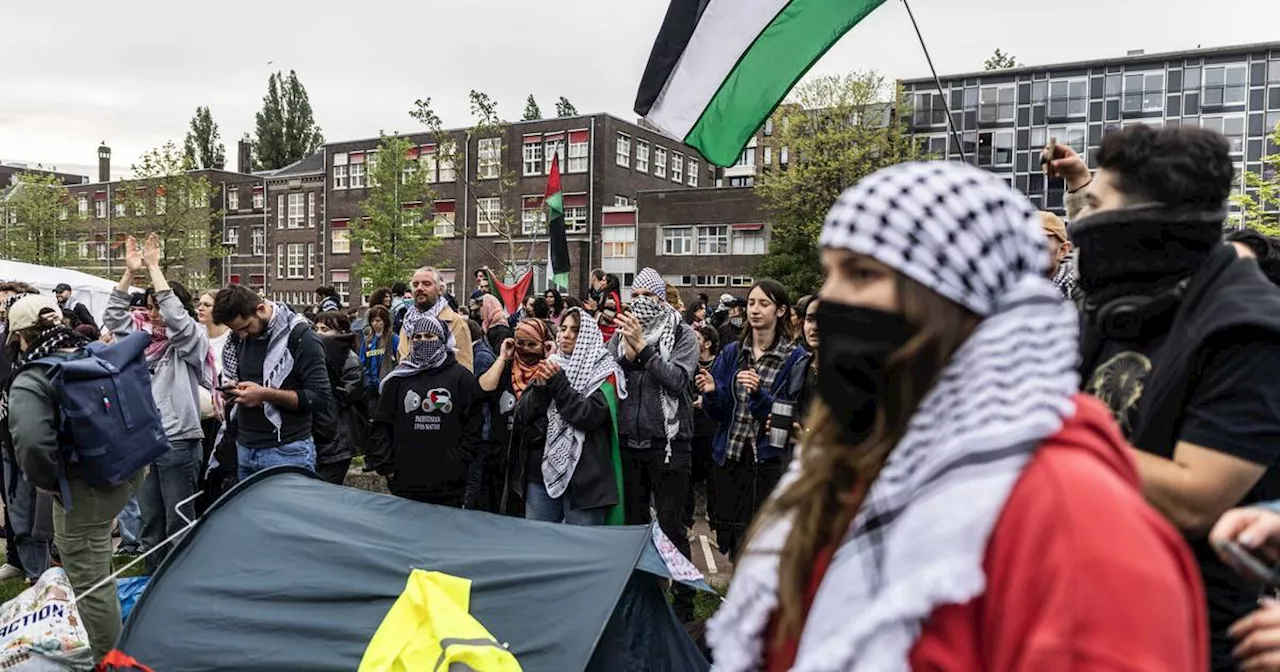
(13, 587)
(357, 462)
(705, 605)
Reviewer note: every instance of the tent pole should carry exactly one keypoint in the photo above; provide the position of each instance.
(114, 575)
(946, 104)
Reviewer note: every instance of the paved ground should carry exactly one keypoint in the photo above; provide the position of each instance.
(702, 546)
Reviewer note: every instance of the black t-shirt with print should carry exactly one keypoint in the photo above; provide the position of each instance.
(1232, 407)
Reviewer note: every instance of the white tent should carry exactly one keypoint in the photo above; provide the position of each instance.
(89, 290)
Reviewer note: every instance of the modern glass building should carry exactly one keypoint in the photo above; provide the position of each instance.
(1005, 117)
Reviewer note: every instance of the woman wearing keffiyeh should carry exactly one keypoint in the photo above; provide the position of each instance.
(955, 504)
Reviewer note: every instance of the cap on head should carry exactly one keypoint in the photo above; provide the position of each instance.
(26, 311)
(1053, 226)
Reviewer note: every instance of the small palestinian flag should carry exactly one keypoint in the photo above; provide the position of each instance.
(558, 250)
(718, 69)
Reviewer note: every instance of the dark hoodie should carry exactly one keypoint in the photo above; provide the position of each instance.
(346, 376)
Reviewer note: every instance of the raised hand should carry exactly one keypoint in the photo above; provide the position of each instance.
(132, 255)
(151, 253)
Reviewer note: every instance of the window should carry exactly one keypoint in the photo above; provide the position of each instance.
(311, 260)
(161, 204)
(1067, 98)
(747, 181)
(258, 241)
(1224, 85)
(258, 197)
(140, 208)
(533, 155)
(340, 240)
(713, 240)
(280, 260)
(488, 216)
(693, 172)
(620, 202)
(748, 241)
(444, 211)
(642, 155)
(311, 210)
(995, 148)
(295, 211)
(575, 219)
(711, 281)
(679, 280)
(233, 199)
(231, 236)
(747, 157)
(996, 103)
(1143, 92)
(618, 242)
(553, 146)
(489, 158)
(295, 260)
(659, 162)
(677, 167)
(341, 283)
(579, 151)
(768, 126)
(357, 171)
(930, 110)
(448, 152)
(677, 240)
(82, 206)
(63, 213)
(741, 281)
(119, 209)
(100, 208)
(1231, 126)
(340, 170)
(624, 150)
(1070, 135)
(533, 220)
(371, 159)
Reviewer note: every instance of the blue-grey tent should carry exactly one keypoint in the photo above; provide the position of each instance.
(287, 572)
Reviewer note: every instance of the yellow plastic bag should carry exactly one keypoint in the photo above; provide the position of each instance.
(430, 628)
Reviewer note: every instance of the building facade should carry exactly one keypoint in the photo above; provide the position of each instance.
(8, 171)
(700, 240)
(1004, 118)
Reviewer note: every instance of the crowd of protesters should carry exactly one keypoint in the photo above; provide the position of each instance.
(991, 440)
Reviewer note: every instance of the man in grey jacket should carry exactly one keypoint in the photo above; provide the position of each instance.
(180, 365)
(659, 352)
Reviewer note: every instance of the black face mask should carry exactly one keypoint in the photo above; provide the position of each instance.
(856, 342)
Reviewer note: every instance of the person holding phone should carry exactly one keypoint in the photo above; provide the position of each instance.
(1248, 539)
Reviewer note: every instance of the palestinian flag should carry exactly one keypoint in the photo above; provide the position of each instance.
(511, 295)
(558, 250)
(718, 69)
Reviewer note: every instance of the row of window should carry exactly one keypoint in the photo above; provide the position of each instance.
(296, 210)
(100, 207)
(233, 199)
(539, 150)
(659, 161)
(296, 261)
(712, 240)
(710, 280)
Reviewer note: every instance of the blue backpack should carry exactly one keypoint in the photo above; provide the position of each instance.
(110, 426)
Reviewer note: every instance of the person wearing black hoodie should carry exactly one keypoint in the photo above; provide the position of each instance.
(426, 431)
(347, 377)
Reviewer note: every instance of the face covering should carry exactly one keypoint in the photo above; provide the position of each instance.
(856, 342)
(736, 322)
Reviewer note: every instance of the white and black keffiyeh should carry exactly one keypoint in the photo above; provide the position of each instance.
(919, 539)
(587, 369)
(413, 314)
(660, 323)
(278, 362)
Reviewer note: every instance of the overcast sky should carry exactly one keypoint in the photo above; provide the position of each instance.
(132, 72)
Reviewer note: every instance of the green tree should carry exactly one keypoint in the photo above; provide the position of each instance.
(166, 197)
(1000, 61)
(399, 234)
(834, 131)
(286, 128)
(39, 224)
(203, 146)
(564, 108)
(1260, 202)
(531, 110)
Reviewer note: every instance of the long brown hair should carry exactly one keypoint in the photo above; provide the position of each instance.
(835, 477)
(778, 295)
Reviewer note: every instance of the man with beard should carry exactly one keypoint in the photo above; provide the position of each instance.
(73, 312)
(1180, 337)
(429, 301)
(1061, 268)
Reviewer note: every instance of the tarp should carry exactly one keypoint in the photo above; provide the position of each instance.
(89, 290)
(289, 572)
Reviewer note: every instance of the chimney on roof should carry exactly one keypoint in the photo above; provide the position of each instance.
(104, 162)
(1135, 52)
(244, 155)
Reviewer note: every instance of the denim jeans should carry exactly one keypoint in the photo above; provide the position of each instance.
(29, 514)
(298, 453)
(173, 478)
(131, 526)
(538, 505)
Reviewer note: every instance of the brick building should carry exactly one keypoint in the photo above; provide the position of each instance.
(700, 240)
(9, 170)
(293, 236)
(604, 161)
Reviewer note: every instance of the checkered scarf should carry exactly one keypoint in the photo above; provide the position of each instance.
(1065, 278)
(660, 322)
(919, 538)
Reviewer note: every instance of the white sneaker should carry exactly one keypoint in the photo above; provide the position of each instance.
(10, 572)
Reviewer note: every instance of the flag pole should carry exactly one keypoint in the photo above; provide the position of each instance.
(946, 104)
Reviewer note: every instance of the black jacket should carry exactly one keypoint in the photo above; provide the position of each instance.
(592, 484)
(347, 377)
(309, 379)
(425, 432)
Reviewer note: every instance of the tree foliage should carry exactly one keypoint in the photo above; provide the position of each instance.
(166, 198)
(1000, 61)
(39, 223)
(399, 234)
(834, 130)
(203, 146)
(1260, 203)
(286, 128)
(564, 108)
(531, 110)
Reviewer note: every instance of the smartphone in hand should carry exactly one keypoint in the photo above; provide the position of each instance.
(1249, 565)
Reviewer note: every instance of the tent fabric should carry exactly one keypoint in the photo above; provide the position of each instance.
(289, 572)
(89, 290)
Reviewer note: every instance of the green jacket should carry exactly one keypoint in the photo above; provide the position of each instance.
(33, 422)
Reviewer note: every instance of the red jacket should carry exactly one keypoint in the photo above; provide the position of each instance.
(1082, 575)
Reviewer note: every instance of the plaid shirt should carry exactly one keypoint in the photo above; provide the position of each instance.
(745, 427)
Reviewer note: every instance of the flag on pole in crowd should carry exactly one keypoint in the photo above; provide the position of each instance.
(718, 68)
(511, 295)
(558, 249)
